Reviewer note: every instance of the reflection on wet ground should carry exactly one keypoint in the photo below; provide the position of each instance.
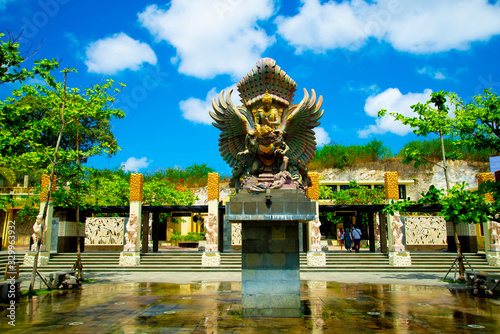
(216, 308)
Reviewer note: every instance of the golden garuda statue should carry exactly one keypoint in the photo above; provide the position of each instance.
(268, 141)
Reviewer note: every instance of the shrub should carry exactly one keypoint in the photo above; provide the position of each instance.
(339, 156)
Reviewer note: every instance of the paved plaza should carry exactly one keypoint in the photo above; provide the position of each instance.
(182, 302)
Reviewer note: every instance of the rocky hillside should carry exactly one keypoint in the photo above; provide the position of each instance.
(423, 176)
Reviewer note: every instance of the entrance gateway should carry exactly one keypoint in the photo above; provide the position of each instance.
(268, 141)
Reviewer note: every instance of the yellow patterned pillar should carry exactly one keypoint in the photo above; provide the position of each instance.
(398, 256)
(46, 229)
(391, 185)
(213, 186)
(313, 194)
(486, 240)
(45, 187)
(211, 256)
(47, 233)
(313, 190)
(483, 177)
(136, 185)
(131, 250)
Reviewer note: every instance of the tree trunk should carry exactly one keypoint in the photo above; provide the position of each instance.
(45, 209)
(461, 268)
(445, 163)
(79, 265)
(78, 250)
(47, 198)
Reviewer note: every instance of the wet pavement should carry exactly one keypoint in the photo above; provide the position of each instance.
(215, 307)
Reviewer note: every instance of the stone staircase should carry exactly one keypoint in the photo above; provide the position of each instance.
(231, 262)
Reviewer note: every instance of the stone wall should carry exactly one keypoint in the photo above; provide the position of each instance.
(423, 176)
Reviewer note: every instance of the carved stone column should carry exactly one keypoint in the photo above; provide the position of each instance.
(491, 229)
(315, 256)
(42, 229)
(211, 256)
(131, 255)
(398, 256)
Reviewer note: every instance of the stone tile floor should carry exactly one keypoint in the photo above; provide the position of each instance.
(215, 307)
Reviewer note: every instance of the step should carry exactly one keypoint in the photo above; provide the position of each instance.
(187, 261)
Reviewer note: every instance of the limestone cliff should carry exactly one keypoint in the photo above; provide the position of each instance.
(423, 176)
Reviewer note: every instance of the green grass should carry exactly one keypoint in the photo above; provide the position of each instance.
(37, 292)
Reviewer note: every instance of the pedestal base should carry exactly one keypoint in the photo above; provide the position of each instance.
(316, 259)
(493, 258)
(270, 269)
(211, 259)
(29, 259)
(130, 259)
(495, 248)
(400, 259)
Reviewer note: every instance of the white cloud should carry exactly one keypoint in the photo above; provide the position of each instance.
(424, 26)
(133, 164)
(196, 110)
(432, 72)
(116, 53)
(211, 37)
(322, 136)
(394, 102)
(324, 26)
(433, 26)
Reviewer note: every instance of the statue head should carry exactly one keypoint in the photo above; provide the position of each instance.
(267, 99)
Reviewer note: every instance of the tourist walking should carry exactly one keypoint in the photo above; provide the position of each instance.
(356, 238)
(347, 239)
(340, 237)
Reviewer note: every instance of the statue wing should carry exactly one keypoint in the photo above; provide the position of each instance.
(234, 123)
(298, 122)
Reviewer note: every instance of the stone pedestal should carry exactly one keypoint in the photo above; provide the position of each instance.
(29, 259)
(270, 250)
(210, 259)
(400, 259)
(270, 269)
(493, 258)
(316, 259)
(130, 259)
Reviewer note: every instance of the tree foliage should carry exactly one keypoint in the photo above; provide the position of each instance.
(31, 118)
(11, 60)
(355, 195)
(432, 117)
(340, 156)
(477, 124)
(431, 150)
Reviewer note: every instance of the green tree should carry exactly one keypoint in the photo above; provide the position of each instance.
(108, 187)
(355, 195)
(459, 205)
(339, 156)
(159, 192)
(428, 121)
(477, 124)
(11, 59)
(55, 127)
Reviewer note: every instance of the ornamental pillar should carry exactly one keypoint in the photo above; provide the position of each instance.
(315, 256)
(313, 240)
(131, 255)
(398, 256)
(483, 177)
(491, 229)
(211, 255)
(40, 228)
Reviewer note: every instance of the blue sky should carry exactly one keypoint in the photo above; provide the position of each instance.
(175, 56)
